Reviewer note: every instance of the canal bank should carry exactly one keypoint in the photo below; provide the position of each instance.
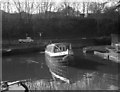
(15, 48)
(17, 51)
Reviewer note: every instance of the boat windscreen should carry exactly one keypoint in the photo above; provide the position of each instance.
(60, 48)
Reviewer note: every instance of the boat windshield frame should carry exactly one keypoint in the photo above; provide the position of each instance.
(58, 47)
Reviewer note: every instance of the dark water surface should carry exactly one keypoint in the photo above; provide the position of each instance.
(33, 66)
(26, 66)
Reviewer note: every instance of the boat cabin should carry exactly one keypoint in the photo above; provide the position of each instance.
(59, 49)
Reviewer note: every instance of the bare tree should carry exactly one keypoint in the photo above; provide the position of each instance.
(4, 6)
(27, 7)
(83, 7)
(96, 7)
(18, 5)
(118, 7)
(8, 6)
(0, 5)
(64, 4)
(113, 8)
(87, 7)
(65, 8)
(25, 10)
(39, 7)
(47, 5)
(76, 6)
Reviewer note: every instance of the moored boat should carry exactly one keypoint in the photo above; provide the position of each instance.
(59, 49)
(58, 57)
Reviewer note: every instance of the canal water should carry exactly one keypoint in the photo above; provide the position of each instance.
(26, 66)
(34, 66)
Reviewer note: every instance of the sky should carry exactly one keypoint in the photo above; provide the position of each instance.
(111, 2)
(57, 1)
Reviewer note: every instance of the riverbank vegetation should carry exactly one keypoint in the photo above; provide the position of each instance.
(66, 21)
(14, 47)
(65, 24)
(64, 27)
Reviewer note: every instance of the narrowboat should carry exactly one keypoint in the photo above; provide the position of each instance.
(58, 57)
(59, 50)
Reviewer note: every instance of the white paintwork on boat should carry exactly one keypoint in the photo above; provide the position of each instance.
(12, 86)
(60, 77)
(57, 54)
(16, 87)
(50, 50)
(8, 50)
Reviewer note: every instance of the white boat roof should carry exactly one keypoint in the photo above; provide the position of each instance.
(54, 44)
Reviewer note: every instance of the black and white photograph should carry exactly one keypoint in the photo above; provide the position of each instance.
(59, 45)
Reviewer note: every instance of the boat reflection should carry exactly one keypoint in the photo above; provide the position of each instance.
(85, 79)
(58, 67)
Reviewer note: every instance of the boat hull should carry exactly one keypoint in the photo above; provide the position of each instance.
(63, 60)
(58, 66)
